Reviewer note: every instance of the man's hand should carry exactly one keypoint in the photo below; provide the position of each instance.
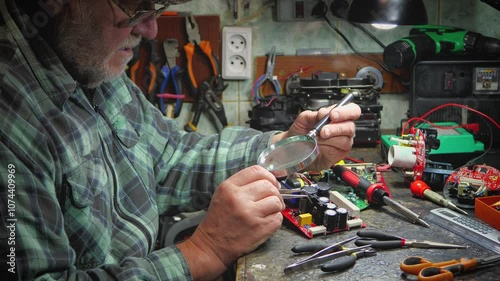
(335, 139)
(245, 210)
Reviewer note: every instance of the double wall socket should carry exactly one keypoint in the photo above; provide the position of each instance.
(236, 53)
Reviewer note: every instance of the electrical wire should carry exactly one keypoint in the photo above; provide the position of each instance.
(482, 115)
(398, 77)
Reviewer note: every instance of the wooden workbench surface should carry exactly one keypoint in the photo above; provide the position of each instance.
(269, 260)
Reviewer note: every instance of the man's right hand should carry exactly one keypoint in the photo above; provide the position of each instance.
(244, 212)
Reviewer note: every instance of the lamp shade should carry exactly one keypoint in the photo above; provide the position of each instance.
(398, 12)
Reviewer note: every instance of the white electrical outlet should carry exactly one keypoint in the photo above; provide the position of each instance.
(236, 53)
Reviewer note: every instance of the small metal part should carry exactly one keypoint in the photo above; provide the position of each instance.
(373, 74)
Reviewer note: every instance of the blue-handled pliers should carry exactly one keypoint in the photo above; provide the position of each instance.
(171, 71)
(271, 60)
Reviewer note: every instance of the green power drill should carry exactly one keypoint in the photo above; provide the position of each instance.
(427, 41)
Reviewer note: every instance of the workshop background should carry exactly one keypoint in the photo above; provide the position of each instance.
(288, 37)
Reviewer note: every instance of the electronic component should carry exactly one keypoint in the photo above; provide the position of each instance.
(469, 182)
(342, 202)
(466, 227)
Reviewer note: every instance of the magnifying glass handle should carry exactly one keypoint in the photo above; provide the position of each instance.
(325, 120)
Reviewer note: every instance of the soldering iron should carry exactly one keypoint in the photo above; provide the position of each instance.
(428, 41)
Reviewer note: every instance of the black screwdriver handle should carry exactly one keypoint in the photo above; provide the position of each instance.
(308, 248)
(341, 264)
(377, 235)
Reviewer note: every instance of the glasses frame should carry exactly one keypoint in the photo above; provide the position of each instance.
(135, 17)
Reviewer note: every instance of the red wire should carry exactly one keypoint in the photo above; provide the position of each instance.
(422, 118)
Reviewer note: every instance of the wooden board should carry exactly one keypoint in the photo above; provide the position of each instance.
(347, 65)
(174, 27)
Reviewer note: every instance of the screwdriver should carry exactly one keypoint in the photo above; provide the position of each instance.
(375, 193)
(420, 189)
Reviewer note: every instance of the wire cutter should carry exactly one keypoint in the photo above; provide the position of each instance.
(173, 71)
(208, 95)
(268, 76)
(381, 240)
(326, 254)
(444, 270)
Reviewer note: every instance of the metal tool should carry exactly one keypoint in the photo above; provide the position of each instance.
(268, 76)
(321, 259)
(171, 71)
(381, 240)
(375, 193)
(293, 193)
(208, 95)
(293, 154)
(445, 270)
(150, 71)
(420, 189)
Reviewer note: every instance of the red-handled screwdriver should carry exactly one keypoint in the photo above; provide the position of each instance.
(375, 193)
(422, 190)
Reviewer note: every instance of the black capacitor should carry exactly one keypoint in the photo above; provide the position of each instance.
(323, 189)
(343, 216)
(310, 189)
(306, 204)
(319, 210)
(331, 206)
(331, 220)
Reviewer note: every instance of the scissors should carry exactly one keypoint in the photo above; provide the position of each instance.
(327, 254)
(381, 240)
(445, 270)
(271, 59)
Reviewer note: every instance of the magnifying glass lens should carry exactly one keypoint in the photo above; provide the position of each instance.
(287, 155)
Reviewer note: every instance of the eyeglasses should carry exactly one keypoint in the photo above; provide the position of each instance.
(138, 11)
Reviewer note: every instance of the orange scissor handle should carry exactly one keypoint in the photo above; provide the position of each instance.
(447, 273)
(413, 265)
(207, 49)
(189, 49)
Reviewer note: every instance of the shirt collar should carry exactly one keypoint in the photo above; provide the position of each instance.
(41, 58)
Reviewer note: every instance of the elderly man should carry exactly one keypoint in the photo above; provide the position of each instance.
(89, 165)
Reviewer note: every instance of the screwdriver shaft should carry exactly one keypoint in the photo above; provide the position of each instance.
(438, 199)
(414, 218)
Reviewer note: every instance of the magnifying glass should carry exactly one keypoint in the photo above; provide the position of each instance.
(293, 154)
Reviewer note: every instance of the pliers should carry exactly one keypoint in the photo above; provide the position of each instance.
(382, 240)
(329, 253)
(268, 76)
(208, 95)
(171, 70)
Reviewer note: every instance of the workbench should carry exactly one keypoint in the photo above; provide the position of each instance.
(269, 260)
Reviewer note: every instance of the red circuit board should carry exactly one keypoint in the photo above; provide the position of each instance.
(484, 175)
(289, 214)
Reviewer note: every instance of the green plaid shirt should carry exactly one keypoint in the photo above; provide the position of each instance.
(92, 179)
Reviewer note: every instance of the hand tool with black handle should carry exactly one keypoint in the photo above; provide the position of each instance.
(382, 240)
(347, 262)
(374, 193)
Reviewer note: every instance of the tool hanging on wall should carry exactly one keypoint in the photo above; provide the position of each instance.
(208, 95)
(171, 71)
